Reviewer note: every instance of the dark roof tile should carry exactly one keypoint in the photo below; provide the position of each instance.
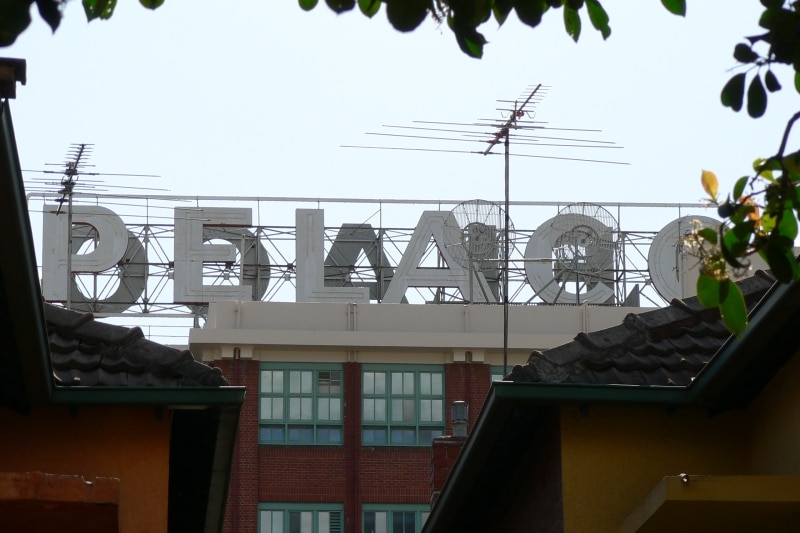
(668, 346)
(90, 353)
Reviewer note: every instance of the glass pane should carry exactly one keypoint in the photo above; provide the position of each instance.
(294, 408)
(324, 522)
(436, 410)
(437, 384)
(271, 434)
(294, 382)
(265, 518)
(306, 410)
(408, 410)
(301, 434)
(368, 412)
(408, 383)
(373, 436)
(294, 522)
(403, 436)
(323, 408)
(329, 382)
(332, 435)
(375, 522)
(305, 382)
(425, 410)
(369, 383)
(266, 384)
(402, 522)
(426, 435)
(397, 382)
(336, 409)
(380, 382)
(425, 383)
(397, 410)
(306, 518)
(272, 408)
(380, 410)
(277, 408)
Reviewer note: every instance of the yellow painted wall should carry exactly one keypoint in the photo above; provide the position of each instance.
(613, 457)
(775, 422)
(126, 443)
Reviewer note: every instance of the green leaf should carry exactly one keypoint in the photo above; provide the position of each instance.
(732, 307)
(501, 9)
(151, 4)
(406, 15)
(780, 258)
(787, 228)
(733, 93)
(772, 82)
(676, 7)
(308, 5)
(50, 11)
(530, 12)
(340, 6)
(735, 241)
(572, 23)
(708, 290)
(744, 54)
(738, 188)
(469, 39)
(708, 234)
(598, 17)
(797, 81)
(102, 9)
(756, 98)
(14, 18)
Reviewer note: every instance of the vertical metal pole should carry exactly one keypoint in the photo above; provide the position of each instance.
(506, 252)
(69, 246)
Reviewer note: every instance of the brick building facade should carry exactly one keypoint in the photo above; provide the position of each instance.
(344, 402)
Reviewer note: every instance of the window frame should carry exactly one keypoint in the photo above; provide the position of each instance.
(314, 508)
(394, 399)
(421, 512)
(287, 425)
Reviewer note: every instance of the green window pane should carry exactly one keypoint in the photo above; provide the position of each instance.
(437, 384)
(272, 408)
(272, 381)
(300, 382)
(402, 383)
(271, 522)
(375, 522)
(369, 383)
(329, 409)
(300, 409)
(300, 521)
(329, 382)
(403, 522)
(403, 410)
(425, 383)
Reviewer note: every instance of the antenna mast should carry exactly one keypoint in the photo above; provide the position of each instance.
(78, 152)
(503, 132)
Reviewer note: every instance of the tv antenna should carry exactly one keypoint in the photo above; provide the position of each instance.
(473, 236)
(73, 168)
(518, 121)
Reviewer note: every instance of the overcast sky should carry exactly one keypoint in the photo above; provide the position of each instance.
(257, 97)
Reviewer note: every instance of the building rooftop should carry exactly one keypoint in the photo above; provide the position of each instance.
(86, 352)
(663, 347)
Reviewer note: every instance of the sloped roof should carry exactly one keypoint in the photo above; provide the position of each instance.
(664, 347)
(86, 352)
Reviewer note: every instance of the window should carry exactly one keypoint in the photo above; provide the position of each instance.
(300, 518)
(497, 372)
(300, 404)
(379, 518)
(402, 405)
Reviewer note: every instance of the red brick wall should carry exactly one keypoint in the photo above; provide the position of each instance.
(347, 474)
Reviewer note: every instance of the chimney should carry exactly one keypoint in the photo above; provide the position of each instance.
(447, 448)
